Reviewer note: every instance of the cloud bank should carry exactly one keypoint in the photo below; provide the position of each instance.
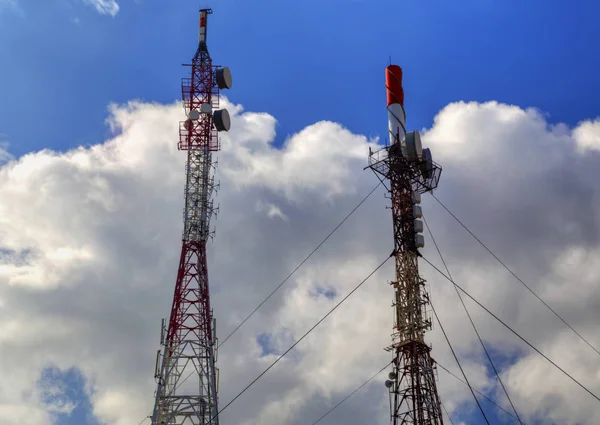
(90, 239)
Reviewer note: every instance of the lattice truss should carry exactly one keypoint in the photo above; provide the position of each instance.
(186, 371)
(412, 384)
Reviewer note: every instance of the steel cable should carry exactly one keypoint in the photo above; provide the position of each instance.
(471, 320)
(515, 275)
(351, 394)
(289, 276)
(512, 330)
(300, 265)
(458, 362)
(303, 336)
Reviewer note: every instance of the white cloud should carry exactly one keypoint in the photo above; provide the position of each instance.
(271, 210)
(5, 156)
(587, 135)
(105, 7)
(89, 243)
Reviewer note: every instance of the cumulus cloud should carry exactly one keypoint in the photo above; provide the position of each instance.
(105, 7)
(90, 239)
(587, 135)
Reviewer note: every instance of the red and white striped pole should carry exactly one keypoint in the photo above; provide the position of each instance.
(395, 104)
(202, 29)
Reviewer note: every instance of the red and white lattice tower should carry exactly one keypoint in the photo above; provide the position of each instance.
(185, 369)
(410, 171)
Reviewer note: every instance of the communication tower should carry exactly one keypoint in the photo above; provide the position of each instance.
(186, 374)
(410, 171)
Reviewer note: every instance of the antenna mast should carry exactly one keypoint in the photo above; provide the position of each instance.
(185, 371)
(410, 171)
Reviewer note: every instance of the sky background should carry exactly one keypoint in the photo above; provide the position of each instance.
(307, 61)
(82, 291)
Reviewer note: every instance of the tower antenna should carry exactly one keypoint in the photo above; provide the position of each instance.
(188, 339)
(411, 172)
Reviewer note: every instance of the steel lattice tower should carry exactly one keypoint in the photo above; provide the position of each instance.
(185, 370)
(410, 172)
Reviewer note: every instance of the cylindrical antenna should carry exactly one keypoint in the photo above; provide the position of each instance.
(395, 103)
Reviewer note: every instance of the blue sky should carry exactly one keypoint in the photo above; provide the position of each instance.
(63, 388)
(62, 63)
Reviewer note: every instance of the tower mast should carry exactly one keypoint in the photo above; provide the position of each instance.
(410, 172)
(186, 373)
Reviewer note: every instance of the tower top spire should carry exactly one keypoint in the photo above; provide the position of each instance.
(203, 24)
